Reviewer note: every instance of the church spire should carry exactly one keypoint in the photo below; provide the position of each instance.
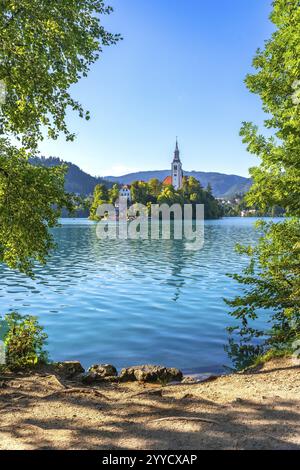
(177, 173)
(176, 153)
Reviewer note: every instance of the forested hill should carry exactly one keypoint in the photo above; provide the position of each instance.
(79, 182)
(222, 185)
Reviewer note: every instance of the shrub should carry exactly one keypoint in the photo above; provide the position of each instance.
(24, 342)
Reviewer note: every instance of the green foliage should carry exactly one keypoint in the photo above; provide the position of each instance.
(139, 192)
(193, 193)
(47, 46)
(272, 279)
(31, 199)
(114, 193)
(272, 354)
(154, 188)
(101, 196)
(24, 342)
(76, 181)
(169, 196)
(277, 179)
(154, 192)
(271, 286)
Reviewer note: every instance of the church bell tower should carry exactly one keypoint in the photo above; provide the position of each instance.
(177, 169)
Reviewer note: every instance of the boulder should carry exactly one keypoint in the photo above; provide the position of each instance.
(69, 368)
(90, 378)
(149, 373)
(100, 373)
(103, 370)
(127, 375)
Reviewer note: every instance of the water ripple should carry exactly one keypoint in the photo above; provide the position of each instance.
(133, 301)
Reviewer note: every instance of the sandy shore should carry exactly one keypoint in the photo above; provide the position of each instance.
(257, 410)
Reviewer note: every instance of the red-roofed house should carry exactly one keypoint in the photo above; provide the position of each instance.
(167, 181)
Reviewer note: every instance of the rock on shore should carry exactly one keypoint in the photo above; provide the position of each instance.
(100, 373)
(108, 373)
(150, 373)
(69, 369)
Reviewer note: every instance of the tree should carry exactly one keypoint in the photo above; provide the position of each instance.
(31, 199)
(114, 193)
(272, 279)
(45, 47)
(169, 196)
(277, 180)
(193, 193)
(24, 341)
(212, 208)
(154, 188)
(101, 196)
(209, 189)
(139, 192)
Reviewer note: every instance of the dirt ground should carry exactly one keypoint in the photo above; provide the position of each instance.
(257, 410)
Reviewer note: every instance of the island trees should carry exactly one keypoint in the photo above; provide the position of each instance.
(45, 47)
(155, 187)
(101, 196)
(154, 192)
(272, 279)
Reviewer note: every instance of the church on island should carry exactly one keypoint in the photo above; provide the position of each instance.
(175, 179)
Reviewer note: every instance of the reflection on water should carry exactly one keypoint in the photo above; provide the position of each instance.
(133, 301)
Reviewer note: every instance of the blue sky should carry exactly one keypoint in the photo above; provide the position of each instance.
(178, 71)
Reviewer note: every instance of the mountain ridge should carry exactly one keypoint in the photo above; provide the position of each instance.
(223, 185)
(80, 182)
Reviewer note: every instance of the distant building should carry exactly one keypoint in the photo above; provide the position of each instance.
(248, 213)
(125, 192)
(175, 179)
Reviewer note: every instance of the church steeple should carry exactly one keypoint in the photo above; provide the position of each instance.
(177, 168)
(176, 153)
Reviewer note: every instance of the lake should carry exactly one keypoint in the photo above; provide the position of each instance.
(130, 302)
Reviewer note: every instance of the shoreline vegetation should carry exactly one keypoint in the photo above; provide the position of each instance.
(192, 193)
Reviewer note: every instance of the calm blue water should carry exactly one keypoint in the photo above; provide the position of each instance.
(133, 302)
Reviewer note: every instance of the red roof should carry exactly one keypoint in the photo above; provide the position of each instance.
(167, 181)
